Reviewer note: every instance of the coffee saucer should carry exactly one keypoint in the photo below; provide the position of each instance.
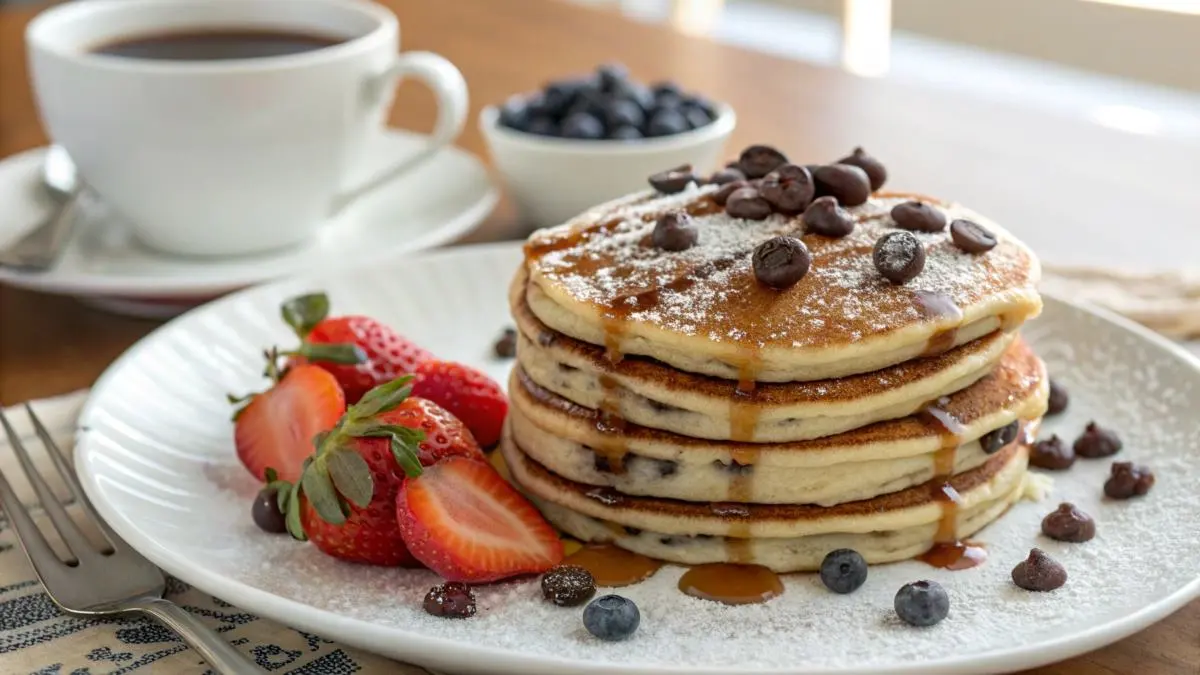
(106, 266)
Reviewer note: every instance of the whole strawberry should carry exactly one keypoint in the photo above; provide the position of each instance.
(345, 500)
(383, 354)
(470, 394)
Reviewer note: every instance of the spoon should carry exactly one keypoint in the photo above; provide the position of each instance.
(40, 248)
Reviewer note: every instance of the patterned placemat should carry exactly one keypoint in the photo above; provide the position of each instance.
(37, 638)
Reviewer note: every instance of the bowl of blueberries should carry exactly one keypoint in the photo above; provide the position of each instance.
(582, 141)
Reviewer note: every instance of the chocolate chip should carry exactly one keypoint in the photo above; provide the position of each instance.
(1128, 480)
(899, 257)
(998, 438)
(506, 345)
(757, 161)
(919, 216)
(1039, 572)
(1068, 523)
(674, 180)
(452, 600)
(734, 467)
(789, 188)
(780, 262)
(874, 168)
(1096, 441)
(665, 467)
(722, 196)
(747, 203)
(971, 237)
(848, 183)
(1059, 398)
(568, 585)
(675, 231)
(601, 463)
(632, 531)
(824, 217)
(726, 176)
(1052, 454)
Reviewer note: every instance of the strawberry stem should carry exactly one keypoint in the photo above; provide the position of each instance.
(345, 354)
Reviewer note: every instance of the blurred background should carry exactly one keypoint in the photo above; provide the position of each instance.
(1126, 64)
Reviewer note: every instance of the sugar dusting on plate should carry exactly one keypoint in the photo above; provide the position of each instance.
(1140, 555)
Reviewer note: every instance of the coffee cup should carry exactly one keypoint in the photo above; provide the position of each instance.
(229, 127)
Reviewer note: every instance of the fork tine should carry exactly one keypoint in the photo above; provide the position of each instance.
(71, 535)
(37, 549)
(72, 480)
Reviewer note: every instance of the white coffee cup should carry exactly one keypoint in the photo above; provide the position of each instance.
(227, 157)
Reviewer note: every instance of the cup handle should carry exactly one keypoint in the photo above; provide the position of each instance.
(451, 91)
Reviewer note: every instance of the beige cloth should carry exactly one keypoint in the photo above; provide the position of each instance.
(36, 638)
(1168, 302)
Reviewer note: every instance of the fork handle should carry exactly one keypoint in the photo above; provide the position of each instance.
(220, 654)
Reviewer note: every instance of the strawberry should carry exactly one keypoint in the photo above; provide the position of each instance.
(275, 430)
(345, 499)
(381, 353)
(462, 520)
(470, 394)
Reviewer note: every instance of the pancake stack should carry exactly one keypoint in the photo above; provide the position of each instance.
(672, 403)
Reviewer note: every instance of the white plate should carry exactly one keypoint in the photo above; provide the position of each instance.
(158, 461)
(438, 202)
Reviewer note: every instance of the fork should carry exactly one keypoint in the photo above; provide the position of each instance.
(92, 582)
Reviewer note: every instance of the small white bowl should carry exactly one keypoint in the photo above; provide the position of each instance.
(555, 179)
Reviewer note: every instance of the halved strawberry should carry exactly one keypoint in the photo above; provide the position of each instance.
(381, 354)
(275, 430)
(463, 521)
(345, 500)
(472, 396)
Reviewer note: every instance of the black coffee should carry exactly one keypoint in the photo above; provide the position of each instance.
(216, 44)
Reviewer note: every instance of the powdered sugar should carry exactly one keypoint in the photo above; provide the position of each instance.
(158, 460)
(1113, 376)
(710, 288)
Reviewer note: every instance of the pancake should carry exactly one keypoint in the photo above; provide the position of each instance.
(785, 554)
(574, 442)
(598, 279)
(921, 504)
(651, 394)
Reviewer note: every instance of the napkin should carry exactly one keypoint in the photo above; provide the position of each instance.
(37, 638)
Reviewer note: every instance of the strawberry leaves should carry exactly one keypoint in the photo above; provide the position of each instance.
(336, 476)
(304, 312)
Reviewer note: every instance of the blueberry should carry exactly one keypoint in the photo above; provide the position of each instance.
(514, 113)
(843, 570)
(703, 104)
(542, 125)
(666, 87)
(623, 112)
(582, 125)
(625, 133)
(666, 122)
(265, 512)
(589, 101)
(611, 75)
(696, 116)
(922, 603)
(635, 92)
(562, 95)
(668, 100)
(611, 617)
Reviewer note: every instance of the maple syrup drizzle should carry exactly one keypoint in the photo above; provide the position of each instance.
(613, 566)
(950, 431)
(611, 425)
(743, 419)
(731, 584)
(955, 555)
(939, 307)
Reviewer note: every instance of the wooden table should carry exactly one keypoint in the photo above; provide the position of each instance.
(1063, 185)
